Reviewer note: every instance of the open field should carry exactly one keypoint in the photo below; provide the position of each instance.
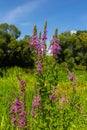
(9, 87)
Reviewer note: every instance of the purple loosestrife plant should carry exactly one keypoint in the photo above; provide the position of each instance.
(44, 38)
(50, 110)
(45, 89)
(18, 115)
(54, 45)
(72, 79)
(18, 109)
(39, 67)
(53, 96)
(36, 103)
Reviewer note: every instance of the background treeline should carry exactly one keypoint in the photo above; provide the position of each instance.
(12, 51)
(17, 52)
(74, 48)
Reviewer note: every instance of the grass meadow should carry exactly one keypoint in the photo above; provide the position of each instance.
(9, 88)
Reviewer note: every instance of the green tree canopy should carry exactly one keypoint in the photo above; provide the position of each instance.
(10, 29)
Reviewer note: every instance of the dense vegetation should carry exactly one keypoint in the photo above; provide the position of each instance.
(13, 51)
(9, 87)
(74, 48)
(17, 52)
(49, 96)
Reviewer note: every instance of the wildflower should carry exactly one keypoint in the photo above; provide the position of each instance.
(44, 36)
(55, 47)
(33, 112)
(53, 95)
(18, 104)
(22, 114)
(39, 67)
(22, 123)
(72, 78)
(14, 120)
(34, 42)
(36, 101)
(18, 114)
(13, 109)
(22, 82)
(17, 107)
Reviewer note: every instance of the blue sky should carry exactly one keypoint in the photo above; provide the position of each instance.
(63, 14)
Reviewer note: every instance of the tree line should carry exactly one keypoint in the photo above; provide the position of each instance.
(13, 51)
(74, 48)
(18, 52)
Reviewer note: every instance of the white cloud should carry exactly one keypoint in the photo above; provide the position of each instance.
(21, 11)
(25, 23)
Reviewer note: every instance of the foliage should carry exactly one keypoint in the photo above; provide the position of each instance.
(73, 48)
(52, 103)
(10, 29)
(50, 108)
(14, 52)
(9, 84)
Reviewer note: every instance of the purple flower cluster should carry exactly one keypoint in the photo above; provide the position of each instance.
(36, 101)
(17, 107)
(34, 41)
(36, 45)
(35, 104)
(55, 47)
(72, 78)
(39, 47)
(44, 36)
(18, 115)
(22, 84)
(39, 67)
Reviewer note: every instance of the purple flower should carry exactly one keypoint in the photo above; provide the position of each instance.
(22, 123)
(39, 48)
(53, 95)
(44, 36)
(13, 109)
(22, 114)
(55, 49)
(18, 104)
(71, 77)
(36, 44)
(33, 112)
(14, 120)
(22, 82)
(34, 41)
(36, 101)
(16, 108)
(39, 67)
